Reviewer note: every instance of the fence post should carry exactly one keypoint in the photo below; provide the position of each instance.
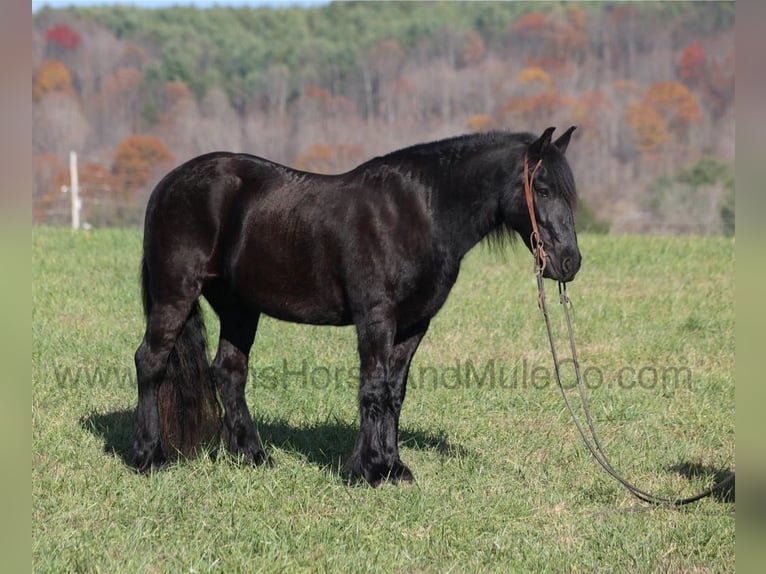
(74, 189)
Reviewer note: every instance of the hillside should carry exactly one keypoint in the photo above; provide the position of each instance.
(135, 91)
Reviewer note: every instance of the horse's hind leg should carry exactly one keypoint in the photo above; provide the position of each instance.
(163, 326)
(229, 370)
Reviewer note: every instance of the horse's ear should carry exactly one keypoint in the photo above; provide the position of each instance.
(537, 147)
(563, 140)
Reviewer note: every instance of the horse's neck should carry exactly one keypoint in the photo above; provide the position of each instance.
(465, 212)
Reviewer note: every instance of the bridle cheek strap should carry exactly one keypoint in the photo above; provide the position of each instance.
(535, 241)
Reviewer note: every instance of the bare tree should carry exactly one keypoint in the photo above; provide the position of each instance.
(116, 107)
(58, 125)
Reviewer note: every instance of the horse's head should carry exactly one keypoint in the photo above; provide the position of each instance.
(554, 198)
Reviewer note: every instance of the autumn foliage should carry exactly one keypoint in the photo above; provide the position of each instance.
(692, 64)
(177, 92)
(648, 127)
(530, 22)
(555, 41)
(533, 75)
(676, 102)
(667, 108)
(647, 84)
(479, 122)
(137, 158)
(540, 97)
(63, 36)
(53, 76)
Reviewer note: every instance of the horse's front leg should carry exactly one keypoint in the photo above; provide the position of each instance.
(376, 454)
(399, 367)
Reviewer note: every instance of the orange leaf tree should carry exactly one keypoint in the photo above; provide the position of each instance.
(535, 75)
(529, 22)
(676, 103)
(176, 92)
(692, 65)
(137, 158)
(479, 122)
(540, 99)
(53, 76)
(648, 127)
(556, 42)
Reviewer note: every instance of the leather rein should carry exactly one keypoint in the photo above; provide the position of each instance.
(592, 442)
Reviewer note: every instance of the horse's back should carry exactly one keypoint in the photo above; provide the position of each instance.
(309, 244)
(294, 244)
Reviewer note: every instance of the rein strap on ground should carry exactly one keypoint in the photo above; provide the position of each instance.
(592, 442)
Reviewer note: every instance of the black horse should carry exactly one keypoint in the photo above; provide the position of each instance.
(378, 247)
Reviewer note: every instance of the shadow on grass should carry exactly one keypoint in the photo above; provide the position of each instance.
(325, 444)
(328, 443)
(115, 429)
(725, 493)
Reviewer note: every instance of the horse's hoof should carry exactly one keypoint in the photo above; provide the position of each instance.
(353, 473)
(254, 456)
(376, 475)
(149, 460)
(401, 474)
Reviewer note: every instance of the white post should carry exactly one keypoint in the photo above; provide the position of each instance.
(74, 189)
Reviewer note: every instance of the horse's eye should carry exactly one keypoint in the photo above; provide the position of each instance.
(542, 191)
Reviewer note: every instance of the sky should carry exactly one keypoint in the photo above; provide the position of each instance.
(37, 4)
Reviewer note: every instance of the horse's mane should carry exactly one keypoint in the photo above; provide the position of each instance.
(459, 145)
(450, 149)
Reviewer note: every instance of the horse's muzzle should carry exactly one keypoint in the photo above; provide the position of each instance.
(565, 269)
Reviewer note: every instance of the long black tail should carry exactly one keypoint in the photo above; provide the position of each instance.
(190, 414)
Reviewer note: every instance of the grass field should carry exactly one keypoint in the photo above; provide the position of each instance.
(503, 482)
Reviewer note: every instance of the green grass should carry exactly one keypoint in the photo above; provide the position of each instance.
(503, 482)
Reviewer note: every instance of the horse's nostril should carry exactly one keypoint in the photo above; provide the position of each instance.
(567, 264)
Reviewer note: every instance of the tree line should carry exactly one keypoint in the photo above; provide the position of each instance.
(135, 91)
